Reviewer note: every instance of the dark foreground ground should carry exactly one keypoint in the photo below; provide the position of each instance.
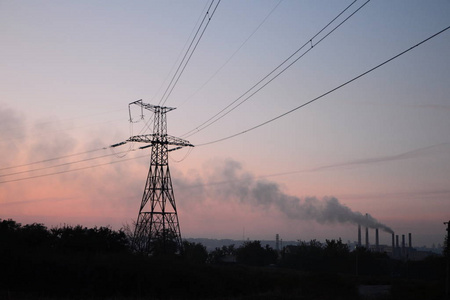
(136, 277)
(97, 263)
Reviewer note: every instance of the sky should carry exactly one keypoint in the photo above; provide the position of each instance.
(379, 145)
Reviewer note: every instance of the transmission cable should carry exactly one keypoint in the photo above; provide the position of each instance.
(181, 52)
(53, 159)
(183, 158)
(325, 94)
(211, 120)
(66, 164)
(208, 16)
(72, 170)
(232, 55)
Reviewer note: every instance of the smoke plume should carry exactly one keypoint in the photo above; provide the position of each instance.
(229, 182)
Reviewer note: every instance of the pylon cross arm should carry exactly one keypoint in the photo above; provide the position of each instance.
(158, 139)
(151, 107)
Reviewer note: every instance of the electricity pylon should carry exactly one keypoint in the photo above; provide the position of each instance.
(157, 228)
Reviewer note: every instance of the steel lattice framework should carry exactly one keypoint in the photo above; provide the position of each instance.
(157, 228)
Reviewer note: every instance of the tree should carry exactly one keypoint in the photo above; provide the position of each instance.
(93, 240)
(9, 239)
(35, 235)
(218, 255)
(307, 256)
(336, 249)
(446, 247)
(194, 252)
(253, 254)
(336, 256)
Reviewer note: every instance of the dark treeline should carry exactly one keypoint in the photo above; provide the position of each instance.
(75, 262)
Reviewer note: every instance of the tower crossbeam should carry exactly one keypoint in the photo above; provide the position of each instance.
(155, 139)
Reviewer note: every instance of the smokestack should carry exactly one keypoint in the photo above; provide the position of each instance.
(403, 244)
(367, 233)
(396, 242)
(393, 245)
(410, 240)
(359, 235)
(367, 237)
(377, 241)
(277, 242)
(397, 248)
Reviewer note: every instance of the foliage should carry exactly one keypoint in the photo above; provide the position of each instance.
(253, 254)
(93, 240)
(218, 255)
(194, 252)
(334, 256)
(446, 247)
(165, 244)
(305, 256)
(75, 262)
(15, 238)
(336, 249)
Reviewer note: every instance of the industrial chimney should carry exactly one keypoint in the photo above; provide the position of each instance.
(359, 235)
(403, 245)
(410, 241)
(277, 242)
(367, 237)
(377, 241)
(367, 234)
(397, 247)
(393, 245)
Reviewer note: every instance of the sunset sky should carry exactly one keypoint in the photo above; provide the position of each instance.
(379, 145)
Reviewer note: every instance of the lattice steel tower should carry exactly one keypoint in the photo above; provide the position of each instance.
(157, 228)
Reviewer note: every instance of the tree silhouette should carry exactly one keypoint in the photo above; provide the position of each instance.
(194, 252)
(218, 255)
(253, 254)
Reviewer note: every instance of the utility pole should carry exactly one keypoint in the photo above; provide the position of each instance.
(157, 228)
(447, 253)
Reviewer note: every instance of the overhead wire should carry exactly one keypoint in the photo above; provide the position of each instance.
(120, 154)
(187, 57)
(150, 119)
(130, 145)
(170, 88)
(45, 132)
(232, 55)
(64, 164)
(327, 93)
(181, 52)
(52, 159)
(72, 170)
(219, 115)
(211, 142)
(184, 157)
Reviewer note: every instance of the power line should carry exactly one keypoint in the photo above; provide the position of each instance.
(358, 162)
(147, 123)
(65, 164)
(181, 52)
(213, 119)
(45, 132)
(208, 16)
(63, 157)
(72, 170)
(53, 159)
(325, 94)
(234, 53)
